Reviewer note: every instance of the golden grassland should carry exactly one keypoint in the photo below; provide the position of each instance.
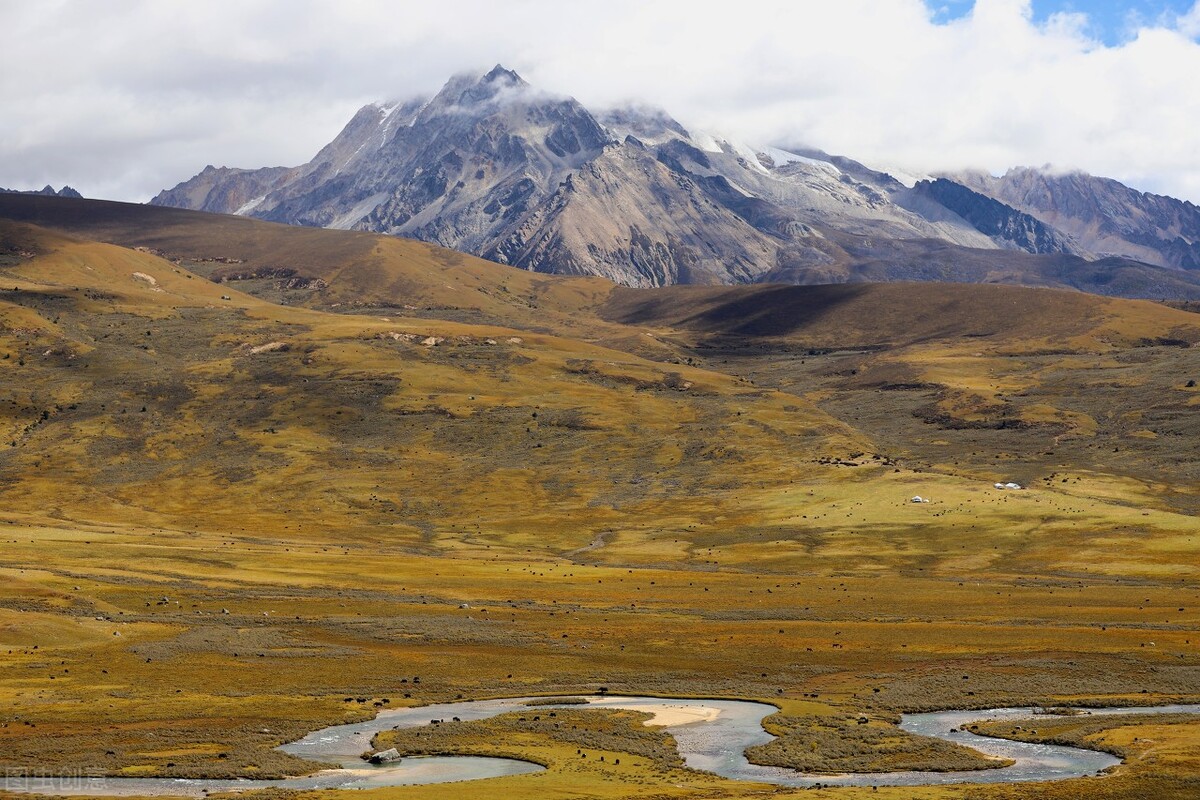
(829, 745)
(226, 522)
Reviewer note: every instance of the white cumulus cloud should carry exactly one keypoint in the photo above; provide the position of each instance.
(126, 97)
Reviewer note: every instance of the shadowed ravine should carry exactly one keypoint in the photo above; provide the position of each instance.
(715, 745)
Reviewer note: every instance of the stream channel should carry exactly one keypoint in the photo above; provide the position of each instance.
(711, 735)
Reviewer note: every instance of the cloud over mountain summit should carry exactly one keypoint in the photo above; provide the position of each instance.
(137, 93)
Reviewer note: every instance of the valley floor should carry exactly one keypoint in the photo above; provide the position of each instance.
(135, 652)
(227, 521)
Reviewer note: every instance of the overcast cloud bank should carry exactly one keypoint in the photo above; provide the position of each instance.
(123, 98)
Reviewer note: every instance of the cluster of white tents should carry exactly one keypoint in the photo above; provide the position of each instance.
(918, 499)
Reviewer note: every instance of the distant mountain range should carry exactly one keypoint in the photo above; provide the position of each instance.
(48, 190)
(494, 167)
(1105, 217)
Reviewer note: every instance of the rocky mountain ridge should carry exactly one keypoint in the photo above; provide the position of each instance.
(1004, 224)
(65, 191)
(494, 167)
(1102, 215)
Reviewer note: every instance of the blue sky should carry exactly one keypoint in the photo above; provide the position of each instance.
(1110, 21)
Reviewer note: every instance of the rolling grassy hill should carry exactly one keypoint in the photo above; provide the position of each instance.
(995, 382)
(221, 515)
(146, 383)
(327, 269)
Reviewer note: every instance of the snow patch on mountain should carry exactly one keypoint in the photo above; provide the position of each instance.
(249, 206)
(782, 157)
(706, 142)
(349, 219)
(909, 178)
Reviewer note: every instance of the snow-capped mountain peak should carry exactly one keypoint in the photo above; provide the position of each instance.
(494, 166)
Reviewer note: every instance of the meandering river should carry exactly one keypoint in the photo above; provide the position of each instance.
(712, 735)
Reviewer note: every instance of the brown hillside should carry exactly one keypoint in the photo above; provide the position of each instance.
(329, 269)
(166, 397)
(354, 271)
(876, 315)
(996, 382)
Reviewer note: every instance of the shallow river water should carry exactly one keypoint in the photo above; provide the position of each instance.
(711, 734)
